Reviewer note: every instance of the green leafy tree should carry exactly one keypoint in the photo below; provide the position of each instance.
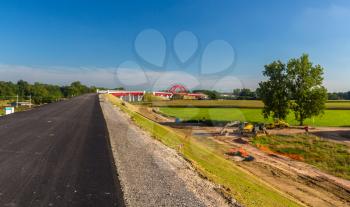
(40, 93)
(339, 96)
(274, 92)
(212, 94)
(54, 94)
(244, 94)
(24, 88)
(7, 89)
(237, 92)
(308, 94)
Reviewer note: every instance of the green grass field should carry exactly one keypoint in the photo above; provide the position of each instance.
(330, 118)
(244, 187)
(328, 156)
(233, 104)
(210, 103)
(3, 103)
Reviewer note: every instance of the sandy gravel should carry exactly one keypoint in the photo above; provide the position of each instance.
(150, 173)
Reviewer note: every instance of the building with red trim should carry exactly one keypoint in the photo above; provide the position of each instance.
(177, 90)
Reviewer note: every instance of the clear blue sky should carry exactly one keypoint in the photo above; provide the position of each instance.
(70, 34)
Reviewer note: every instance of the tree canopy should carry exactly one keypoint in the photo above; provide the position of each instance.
(308, 94)
(275, 92)
(212, 94)
(244, 94)
(294, 86)
(42, 93)
(339, 96)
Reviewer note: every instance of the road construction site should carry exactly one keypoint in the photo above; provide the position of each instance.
(285, 172)
(152, 174)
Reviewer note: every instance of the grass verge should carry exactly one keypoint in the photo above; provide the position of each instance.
(244, 187)
(3, 103)
(328, 156)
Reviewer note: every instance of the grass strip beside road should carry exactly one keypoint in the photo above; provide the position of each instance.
(3, 104)
(244, 187)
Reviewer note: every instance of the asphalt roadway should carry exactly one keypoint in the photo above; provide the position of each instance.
(58, 155)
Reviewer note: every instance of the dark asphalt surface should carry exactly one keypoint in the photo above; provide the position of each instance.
(58, 155)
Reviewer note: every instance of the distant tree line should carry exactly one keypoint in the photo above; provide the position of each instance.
(339, 96)
(40, 92)
(245, 94)
(212, 94)
(236, 94)
(248, 94)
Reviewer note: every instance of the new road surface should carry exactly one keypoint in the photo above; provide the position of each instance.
(58, 155)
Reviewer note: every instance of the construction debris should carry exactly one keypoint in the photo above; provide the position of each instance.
(243, 128)
(225, 129)
(278, 124)
(241, 154)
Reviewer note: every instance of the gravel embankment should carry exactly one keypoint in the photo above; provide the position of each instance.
(150, 173)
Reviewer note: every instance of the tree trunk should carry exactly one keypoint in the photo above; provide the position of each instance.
(301, 119)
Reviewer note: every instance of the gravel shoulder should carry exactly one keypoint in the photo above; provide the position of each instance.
(150, 173)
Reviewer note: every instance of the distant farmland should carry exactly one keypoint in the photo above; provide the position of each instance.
(333, 118)
(253, 104)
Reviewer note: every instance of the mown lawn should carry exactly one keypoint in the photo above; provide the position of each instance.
(210, 103)
(330, 157)
(232, 104)
(244, 187)
(330, 118)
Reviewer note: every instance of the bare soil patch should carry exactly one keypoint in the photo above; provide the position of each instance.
(298, 179)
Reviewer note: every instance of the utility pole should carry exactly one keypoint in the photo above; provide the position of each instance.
(17, 101)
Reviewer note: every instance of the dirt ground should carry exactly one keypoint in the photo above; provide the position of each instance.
(298, 179)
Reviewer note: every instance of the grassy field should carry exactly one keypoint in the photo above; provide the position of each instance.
(233, 104)
(244, 187)
(3, 103)
(328, 156)
(210, 103)
(330, 118)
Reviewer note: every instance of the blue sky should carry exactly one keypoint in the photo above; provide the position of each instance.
(58, 41)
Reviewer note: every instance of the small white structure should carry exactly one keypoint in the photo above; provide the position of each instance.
(129, 96)
(9, 110)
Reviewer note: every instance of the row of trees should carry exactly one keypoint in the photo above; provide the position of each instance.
(42, 93)
(339, 96)
(296, 86)
(244, 94)
(240, 94)
(248, 94)
(212, 94)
